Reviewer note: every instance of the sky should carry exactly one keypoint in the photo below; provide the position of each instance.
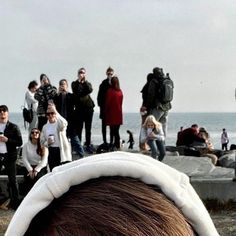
(192, 40)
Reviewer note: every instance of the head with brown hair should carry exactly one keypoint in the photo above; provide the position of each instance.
(111, 206)
(34, 137)
(115, 84)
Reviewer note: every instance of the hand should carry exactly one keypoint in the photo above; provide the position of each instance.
(3, 139)
(31, 174)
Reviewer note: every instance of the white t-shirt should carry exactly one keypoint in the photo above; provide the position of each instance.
(3, 146)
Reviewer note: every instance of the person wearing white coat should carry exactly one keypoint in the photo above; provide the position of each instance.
(54, 137)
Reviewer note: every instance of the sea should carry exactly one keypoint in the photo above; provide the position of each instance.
(212, 122)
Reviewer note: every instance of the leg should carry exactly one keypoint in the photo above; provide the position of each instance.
(54, 157)
(117, 136)
(10, 167)
(161, 148)
(88, 127)
(104, 131)
(75, 142)
(42, 120)
(161, 116)
(153, 146)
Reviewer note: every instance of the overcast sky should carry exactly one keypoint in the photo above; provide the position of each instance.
(195, 41)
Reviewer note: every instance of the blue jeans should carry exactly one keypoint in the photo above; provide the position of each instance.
(157, 149)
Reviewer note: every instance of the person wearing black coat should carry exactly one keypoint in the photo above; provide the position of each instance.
(10, 140)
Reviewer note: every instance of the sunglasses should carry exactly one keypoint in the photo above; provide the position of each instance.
(3, 110)
(50, 113)
(34, 132)
(81, 72)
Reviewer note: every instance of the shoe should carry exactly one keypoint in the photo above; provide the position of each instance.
(89, 149)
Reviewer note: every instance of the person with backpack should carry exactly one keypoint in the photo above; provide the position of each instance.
(159, 96)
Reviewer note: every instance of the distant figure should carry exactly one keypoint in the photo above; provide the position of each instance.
(144, 111)
(130, 140)
(35, 160)
(84, 107)
(54, 137)
(224, 140)
(113, 111)
(101, 99)
(65, 105)
(190, 137)
(44, 95)
(207, 151)
(10, 140)
(32, 103)
(159, 97)
(179, 132)
(153, 134)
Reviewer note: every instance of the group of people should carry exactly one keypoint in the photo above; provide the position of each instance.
(55, 132)
(196, 141)
(71, 199)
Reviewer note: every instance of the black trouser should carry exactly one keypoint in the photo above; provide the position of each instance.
(84, 117)
(42, 120)
(54, 157)
(10, 169)
(29, 183)
(104, 131)
(115, 135)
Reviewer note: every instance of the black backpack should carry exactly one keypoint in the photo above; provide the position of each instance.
(166, 90)
(27, 114)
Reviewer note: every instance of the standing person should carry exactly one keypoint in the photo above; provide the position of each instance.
(144, 110)
(113, 111)
(54, 137)
(101, 98)
(32, 103)
(43, 95)
(84, 107)
(10, 139)
(35, 159)
(65, 105)
(131, 139)
(160, 95)
(224, 140)
(153, 134)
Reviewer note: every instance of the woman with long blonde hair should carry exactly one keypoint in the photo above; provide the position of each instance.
(153, 134)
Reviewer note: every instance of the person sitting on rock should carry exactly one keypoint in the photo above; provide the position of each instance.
(190, 137)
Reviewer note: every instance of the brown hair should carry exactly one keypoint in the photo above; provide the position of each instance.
(111, 206)
(40, 149)
(115, 84)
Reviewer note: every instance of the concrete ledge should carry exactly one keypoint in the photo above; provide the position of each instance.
(222, 189)
(4, 181)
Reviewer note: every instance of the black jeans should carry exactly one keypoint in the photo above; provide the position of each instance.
(10, 169)
(115, 135)
(84, 117)
(54, 157)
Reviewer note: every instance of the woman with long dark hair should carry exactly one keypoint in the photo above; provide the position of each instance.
(35, 159)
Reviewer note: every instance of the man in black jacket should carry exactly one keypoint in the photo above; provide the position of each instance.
(10, 139)
(101, 98)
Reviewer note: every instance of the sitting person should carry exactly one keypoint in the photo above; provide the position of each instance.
(152, 134)
(190, 137)
(128, 194)
(35, 159)
(207, 151)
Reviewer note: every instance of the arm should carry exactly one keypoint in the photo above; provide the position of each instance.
(25, 159)
(43, 162)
